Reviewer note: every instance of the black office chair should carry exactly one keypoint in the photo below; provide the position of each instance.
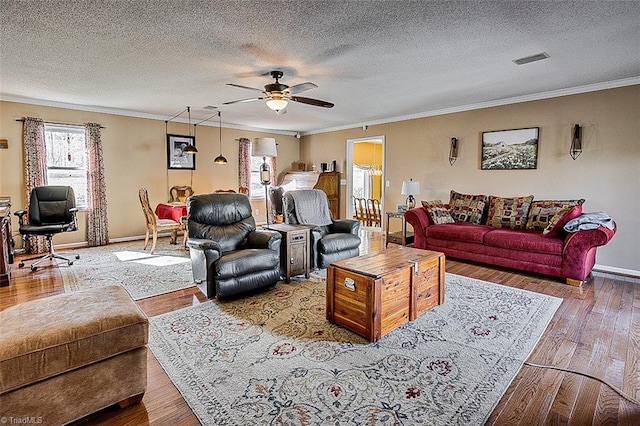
(52, 209)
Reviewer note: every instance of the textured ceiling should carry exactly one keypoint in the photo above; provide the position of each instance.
(376, 60)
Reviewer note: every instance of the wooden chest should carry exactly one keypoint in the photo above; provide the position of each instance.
(374, 294)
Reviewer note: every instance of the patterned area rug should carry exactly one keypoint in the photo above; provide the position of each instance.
(274, 359)
(142, 274)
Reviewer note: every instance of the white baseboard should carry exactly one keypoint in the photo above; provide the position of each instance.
(632, 274)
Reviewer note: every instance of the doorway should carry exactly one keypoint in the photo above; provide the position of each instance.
(365, 166)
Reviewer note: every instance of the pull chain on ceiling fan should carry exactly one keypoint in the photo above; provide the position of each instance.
(278, 95)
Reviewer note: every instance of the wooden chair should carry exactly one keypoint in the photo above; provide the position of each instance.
(153, 224)
(373, 212)
(179, 194)
(360, 210)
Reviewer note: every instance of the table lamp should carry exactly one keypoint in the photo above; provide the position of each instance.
(410, 187)
(264, 147)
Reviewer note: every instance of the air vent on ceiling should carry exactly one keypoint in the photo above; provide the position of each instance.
(532, 58)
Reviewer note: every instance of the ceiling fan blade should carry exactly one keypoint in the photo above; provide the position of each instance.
(302, 87)
(242, 100)
(314, 102)
(245, 87)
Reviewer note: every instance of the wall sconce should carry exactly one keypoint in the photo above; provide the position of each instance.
(453, 151)
(576, 142)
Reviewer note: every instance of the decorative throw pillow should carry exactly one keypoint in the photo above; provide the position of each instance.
(560, 219)
(542, 211)
(467, 207)
(437, 212)
(509, 212)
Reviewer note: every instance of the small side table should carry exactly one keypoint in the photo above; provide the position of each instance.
(294, 251)
(403, 237)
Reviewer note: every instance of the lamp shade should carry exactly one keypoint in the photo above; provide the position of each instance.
(264, 147)
(410, 187)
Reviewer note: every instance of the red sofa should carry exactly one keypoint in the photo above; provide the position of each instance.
(570, 256)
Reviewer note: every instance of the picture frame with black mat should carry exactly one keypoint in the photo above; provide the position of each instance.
(510, 149)
(176, 157)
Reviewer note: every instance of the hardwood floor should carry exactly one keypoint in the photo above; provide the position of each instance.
(596, 330)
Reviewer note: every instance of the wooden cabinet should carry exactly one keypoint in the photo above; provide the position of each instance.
(294, 250)
(329, 182)
(6, 247)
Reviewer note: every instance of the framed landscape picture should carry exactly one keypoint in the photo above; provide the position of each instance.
(176, 158)
(510, 149)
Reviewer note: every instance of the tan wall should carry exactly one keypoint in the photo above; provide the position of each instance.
(135, 156)
(607, 174)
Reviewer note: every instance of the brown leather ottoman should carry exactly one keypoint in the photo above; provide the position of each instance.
(67, 356)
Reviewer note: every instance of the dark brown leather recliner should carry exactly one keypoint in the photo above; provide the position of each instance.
(229, 256)
(330, 242)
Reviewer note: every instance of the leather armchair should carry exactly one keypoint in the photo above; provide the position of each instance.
(329, 243)
(229, 256)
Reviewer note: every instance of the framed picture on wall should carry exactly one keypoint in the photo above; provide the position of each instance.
(510, 149)
(176, 157)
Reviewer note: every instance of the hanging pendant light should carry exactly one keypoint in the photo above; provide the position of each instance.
(189, 149)
(220, 158)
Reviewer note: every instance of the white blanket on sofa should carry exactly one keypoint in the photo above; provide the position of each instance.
(589, 221)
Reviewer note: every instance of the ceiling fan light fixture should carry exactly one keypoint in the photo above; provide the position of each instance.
(277, 105)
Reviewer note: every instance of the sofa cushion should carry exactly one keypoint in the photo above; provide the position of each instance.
(459, 231)
(530, 241)
(467, 207)
(437, 212)
(554, 228)
(509, 212)
(542, 211)
(51, 336)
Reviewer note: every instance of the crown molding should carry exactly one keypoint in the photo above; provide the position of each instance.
(470, 107)
(488, 104)
(133, 114)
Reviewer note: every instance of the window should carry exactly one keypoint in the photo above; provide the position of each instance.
(257, 188)
(361, 182)
(67, 159)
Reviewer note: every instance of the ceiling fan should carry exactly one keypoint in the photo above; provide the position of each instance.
(278, 95)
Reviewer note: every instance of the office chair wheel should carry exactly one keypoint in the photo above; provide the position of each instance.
(34, 268)
(21, 265)
(70, 263)
(77, 256)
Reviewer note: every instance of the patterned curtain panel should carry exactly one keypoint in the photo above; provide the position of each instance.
(244, 166)
(97, 225)
(35, 172)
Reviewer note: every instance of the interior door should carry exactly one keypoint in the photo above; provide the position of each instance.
(365, 170)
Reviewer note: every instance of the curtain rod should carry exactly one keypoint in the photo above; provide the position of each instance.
(62, 124)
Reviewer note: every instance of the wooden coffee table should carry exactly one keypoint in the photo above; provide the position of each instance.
(374, 294)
